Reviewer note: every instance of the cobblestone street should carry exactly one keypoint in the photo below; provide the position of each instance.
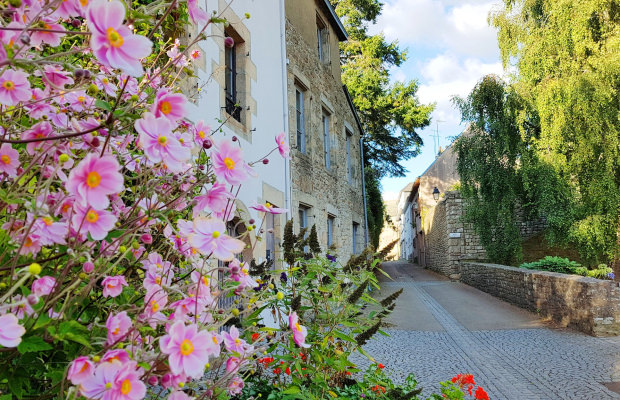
(441, 328)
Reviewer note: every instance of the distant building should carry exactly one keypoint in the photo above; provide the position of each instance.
(390, 231)
(325, 131)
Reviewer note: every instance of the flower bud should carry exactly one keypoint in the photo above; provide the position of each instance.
(251, 221)
(146, 238)
(32, 299)
(265, 161)
(63, 158)
(82, 276)
(235, 312)
(228, 41)
(152, 380)
(122, 249)
(34, 269)
(135, 245)
(247, 15)
(79, 74)
(207, 144)
(25, 39)
(95, 142)
(76, 23)
(279, 295)
(92, 89)
(234, 138)
(88, 267)
(134, 97)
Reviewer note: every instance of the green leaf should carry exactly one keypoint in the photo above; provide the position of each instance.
(74, 331)
(103, 105)
(32, 344)
(292, 390)
(343, 336)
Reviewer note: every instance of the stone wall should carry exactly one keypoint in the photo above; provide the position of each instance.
(587, 304)
(323, 192)
(448, 239)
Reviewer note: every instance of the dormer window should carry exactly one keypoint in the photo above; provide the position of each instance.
(322, 34)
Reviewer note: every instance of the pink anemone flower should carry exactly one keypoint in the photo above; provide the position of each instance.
(283, 147)
(169, 105)
(232, 341)
(93, 179)
(14, 87)
(55, 75)
(38, 131)
(118, 326)
(160, 144)
(197, 14)
(299, 331)
(216, 199)
(209, 238)
(201, 132)
(96, 222)
(113, 381)
(80, 370)
(9, 160)
(235, 386)
(228, 163)
(113, 43)
(113, 285)
(43, 286)
(186, 348)
(47, 37)
(11, 331)
(269, 208)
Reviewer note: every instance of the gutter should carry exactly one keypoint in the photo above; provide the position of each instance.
(285, 116)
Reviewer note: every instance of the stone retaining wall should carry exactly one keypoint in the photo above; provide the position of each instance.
(587, 304)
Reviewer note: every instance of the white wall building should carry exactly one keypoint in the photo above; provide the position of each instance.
(405, 223)
(245, 85)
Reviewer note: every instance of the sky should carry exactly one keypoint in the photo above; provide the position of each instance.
(450, 48)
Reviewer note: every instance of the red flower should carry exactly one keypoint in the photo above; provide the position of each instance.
(255, 337)
(465, 380)
(378, 389)
(277, 370)
(381, 366)
(481, 394)
(287, 371)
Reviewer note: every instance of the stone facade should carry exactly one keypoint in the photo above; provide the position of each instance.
(389, 233)
(326, 193)
(587, 304)
(448, 239)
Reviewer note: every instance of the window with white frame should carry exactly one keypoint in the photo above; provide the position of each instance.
(330, 230)
(322, 34)
(233, 75)
(326, 139)
(304, 211)
(300, 118)
(355, 229)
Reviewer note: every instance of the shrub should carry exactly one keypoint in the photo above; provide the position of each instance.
(554, 264)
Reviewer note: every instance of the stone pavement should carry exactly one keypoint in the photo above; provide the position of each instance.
(441, 328)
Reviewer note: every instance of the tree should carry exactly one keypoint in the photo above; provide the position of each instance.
(390, 112)
(567, 58)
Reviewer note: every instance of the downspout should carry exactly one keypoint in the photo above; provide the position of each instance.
(364, 189)
(287, 161)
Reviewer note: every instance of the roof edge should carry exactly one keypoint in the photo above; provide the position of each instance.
(336, 22)
(355, 114)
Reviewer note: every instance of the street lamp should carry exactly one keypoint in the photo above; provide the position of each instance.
(436, 193)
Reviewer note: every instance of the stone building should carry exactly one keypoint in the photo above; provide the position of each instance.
(390, 231)
(324, 130)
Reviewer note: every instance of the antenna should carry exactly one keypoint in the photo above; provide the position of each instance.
(436, 136)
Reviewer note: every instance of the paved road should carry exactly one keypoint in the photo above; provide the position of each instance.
(440, 328)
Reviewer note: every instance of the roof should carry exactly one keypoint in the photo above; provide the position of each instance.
(335, 21)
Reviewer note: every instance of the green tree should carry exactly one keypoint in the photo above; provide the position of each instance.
(566, 55)
(390, 113)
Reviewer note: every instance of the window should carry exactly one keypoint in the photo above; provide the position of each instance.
(303, 223)
(270, 242)
(349, 172)
(326, 141)
(330, 230)
(355, 229)
(301, 119)
(232, 99)
(322, 34)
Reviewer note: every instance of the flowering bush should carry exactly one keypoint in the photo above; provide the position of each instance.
(115, 250)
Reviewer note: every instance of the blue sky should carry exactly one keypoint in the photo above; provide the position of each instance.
(450, 47)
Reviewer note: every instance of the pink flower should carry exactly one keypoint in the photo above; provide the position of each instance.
(233, 343)
(216, 199)
(169, 105)
(228, 163)
(282, 145)
(299, 332)
(159, 144)
(235, 386)
(157, 277)
(88, 267)
(118, 356)
(11, 331)
(186, 349)
(51, 231)
(114, 381)
(112, 42)
(118, 326)
(41, 130)
(14, 87)
(233, 364)
(94, 179)
(80, 370)
(43, 286)
(79, 101)
(202, 132)
(67, 9)
(55, 74)
(197, 14)
(209, 238)
(269, 208)
(96, 222)
(113, 285)
(103, 82)
(9, 160)
(51, 38)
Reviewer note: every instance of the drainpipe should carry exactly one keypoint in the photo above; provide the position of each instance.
(364, 190)
(287, 161)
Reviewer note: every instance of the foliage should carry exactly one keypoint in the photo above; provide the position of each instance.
(566, 266)
(566, 55)
(375, 209)
(390, 112)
